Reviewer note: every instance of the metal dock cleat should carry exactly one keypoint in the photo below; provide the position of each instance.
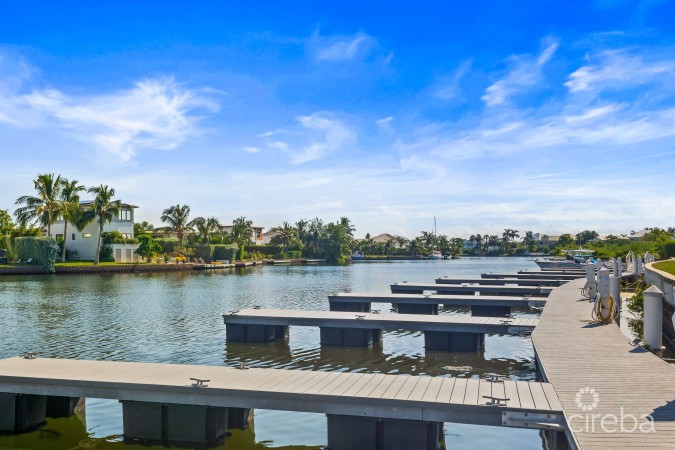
(496, 401)
(495, 378)
(360, 316)
(199, 383)
(242, 366)
(30, 355)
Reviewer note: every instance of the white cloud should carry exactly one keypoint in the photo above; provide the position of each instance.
(315, 135)
(448, 88)
(333, 135)
(154, 114)
(341, 48)
(617, 69)
(251, 149)
(525, 73)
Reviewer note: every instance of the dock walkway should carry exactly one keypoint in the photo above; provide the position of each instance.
(550, 281)
(410, 398)
(580, 359)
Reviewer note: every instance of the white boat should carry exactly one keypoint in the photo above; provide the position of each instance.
(357, 255)
(435, 254)
(573, 258)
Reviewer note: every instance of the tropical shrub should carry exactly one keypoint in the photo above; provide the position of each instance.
(169, 246)
(295, 254)
(148, 248)
(221, 252)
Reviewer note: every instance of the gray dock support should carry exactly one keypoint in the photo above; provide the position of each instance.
(350, 306)
(180, 424)
(370, 433)
(19, 412)
(415, 308)
(454, 341)
(255, 333)
(63, 406)
(239, 418)
(349, 337)
(490, 311)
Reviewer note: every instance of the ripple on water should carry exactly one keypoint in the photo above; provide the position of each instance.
(176, 318)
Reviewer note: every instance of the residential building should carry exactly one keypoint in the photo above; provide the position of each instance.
(256, 233)
(638, 235)
(268, 235)
(85, 242)
(396, 241)
(544, 240)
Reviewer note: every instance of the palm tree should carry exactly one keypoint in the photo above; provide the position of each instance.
(43, 208)
(70, 207)
(105, 209)
(206, 227)
(177, 218)
(241, 230)
(287, 236)
(349, 229)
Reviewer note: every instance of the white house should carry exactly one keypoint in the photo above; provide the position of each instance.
(85, 241)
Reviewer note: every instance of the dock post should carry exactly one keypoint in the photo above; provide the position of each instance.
(235, 332)
(174, 423)
(371, 433)
(20, 412)
(490, 311)
(63, 406)
(615, 291)
(590, 280)
(640, 266)
(349, 337)
(616, 267)
(454, 341)
(653, 317)
(412, 308)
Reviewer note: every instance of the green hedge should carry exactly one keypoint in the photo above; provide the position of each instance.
(7, 242)
(227, 252)
(169, 246)
(296, 254)
(41, 250)
(268, 251)
(668, 250)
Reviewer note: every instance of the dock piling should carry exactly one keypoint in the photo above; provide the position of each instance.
(653, 317)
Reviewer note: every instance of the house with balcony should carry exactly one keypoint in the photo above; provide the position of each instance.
(84, 242)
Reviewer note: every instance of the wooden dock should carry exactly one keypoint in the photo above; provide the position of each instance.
(417, 288)
(576, 356)
(531, 276)
(481, 305)
(386, 322)
(404, 400)
(550, 281)
(442, 333)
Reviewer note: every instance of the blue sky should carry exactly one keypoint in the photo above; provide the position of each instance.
(539, 115)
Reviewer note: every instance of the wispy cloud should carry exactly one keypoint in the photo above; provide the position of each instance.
(154, 114)
(525, 73)
(448, 88)
(617, 70)
(313, 137)
(341, 48)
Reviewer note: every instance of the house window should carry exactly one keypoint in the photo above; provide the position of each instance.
(125, 214)
(73, 237)
(258, 235)
(86, 235)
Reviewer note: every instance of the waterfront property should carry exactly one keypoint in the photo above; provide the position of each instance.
(443, 333)
(85, 241)
(191, 404)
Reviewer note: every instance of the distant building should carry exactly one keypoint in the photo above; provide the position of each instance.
(396, 241)
(268, 235)
(85, 241)
(544, 240)
(256, 233)
(638, 235)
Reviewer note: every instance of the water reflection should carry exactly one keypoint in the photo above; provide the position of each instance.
(176, 318)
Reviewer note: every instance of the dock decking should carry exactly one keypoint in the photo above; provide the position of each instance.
(340, 319)
(419, 288)
(574, 354)
(550, 281)
(435, 299)
(434, 399)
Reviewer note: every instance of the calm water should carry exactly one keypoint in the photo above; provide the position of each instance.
(176, 318)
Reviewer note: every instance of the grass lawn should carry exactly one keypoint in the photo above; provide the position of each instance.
(666, 266)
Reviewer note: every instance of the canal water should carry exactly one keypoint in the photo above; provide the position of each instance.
(176, 318)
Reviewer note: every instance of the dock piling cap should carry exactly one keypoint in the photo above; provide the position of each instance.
(653, 290)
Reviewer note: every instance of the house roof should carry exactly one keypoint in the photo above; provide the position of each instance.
(89, 202)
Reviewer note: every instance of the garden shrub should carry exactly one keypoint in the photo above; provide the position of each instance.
(221, 252)
(169, 246)
(41, 250)
(295, 254)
